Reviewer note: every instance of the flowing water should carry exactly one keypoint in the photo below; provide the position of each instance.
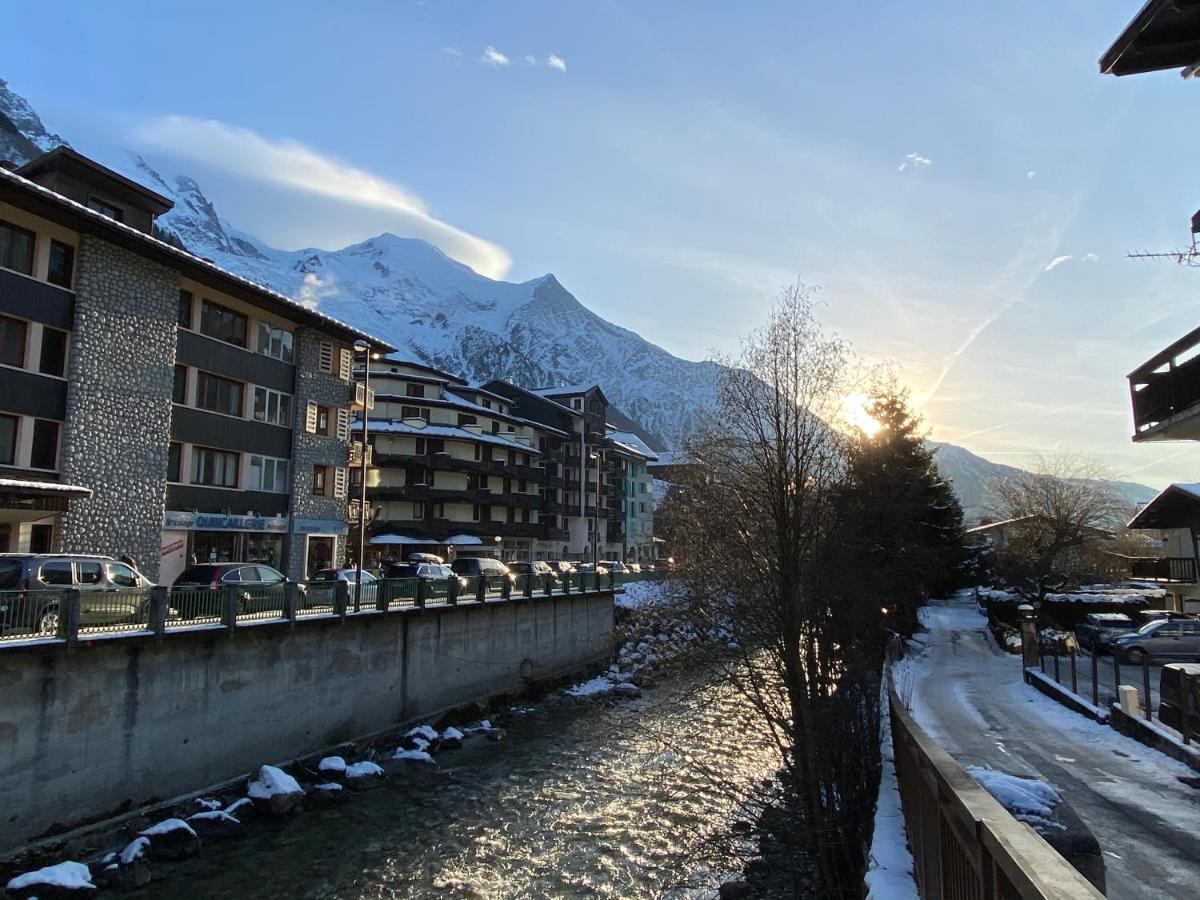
(582, 798)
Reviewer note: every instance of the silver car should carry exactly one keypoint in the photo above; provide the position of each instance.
(1174, 640)
(32, 586)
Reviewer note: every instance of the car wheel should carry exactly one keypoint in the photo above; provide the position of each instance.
(1135, 655)
(48, 622)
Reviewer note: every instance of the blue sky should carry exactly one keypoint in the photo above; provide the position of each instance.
(924, 165)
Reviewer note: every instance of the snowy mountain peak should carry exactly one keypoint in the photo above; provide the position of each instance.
(22, 134)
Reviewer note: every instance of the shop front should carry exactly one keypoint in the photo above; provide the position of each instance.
(321, 540)
(192, 538)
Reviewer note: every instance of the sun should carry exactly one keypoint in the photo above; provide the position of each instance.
(855, 415)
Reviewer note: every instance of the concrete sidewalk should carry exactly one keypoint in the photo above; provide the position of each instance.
(971, 698)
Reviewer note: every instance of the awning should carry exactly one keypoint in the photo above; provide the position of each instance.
(463, 540)
(1176, 506)
(41, 488)
(401, 539)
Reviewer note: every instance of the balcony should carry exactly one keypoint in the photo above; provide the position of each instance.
(1167, 569)
(356, 454)
(1165, 391)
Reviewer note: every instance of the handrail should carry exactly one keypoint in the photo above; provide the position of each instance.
(964, 843)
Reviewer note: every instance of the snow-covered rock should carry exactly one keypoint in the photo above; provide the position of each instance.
(171, 839)
(451, 739)
(363, 776)
(325, 794)
(406, 760)
(332, 765)
(275, 792)
(215, 825)
(426, 733)
(65, 879)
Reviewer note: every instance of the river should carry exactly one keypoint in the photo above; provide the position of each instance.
(582, 798)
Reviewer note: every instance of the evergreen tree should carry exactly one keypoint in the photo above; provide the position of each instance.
(908, 524)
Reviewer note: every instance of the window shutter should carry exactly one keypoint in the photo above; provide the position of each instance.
(310, 418)
(326, 356)
(339, 483)
(344, 360)
(343, 424)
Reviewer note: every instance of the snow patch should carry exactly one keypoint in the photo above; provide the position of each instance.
(362, 770)
(271, 782)
(166, 826)
(67, 875)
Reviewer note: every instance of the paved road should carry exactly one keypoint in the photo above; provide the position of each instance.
(971, 698)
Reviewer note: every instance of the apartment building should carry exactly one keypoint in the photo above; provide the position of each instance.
(453, 469)
(632, 457)
(152, 403)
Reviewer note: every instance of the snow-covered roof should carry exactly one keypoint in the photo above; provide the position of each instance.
(1172, 507)
(456, 399)
(567, 390)
(154, 243)
(16, 484)
(674, 458)
(453, 432)
(631, 443)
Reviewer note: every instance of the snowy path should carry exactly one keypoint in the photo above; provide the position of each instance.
(971, 699)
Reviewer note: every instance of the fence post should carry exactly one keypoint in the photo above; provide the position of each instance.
(506, 587)
(1074, 668)
(341, 597)
(1057, 672)
(229, 606)
(1095, 679)
(452, 590)
(528, 592)
(1185, 706)
(1116, 675)
(291, 600)
(481, 589)
(566, 584)
(419, 594)
(160, 602)
(383, 595)
(548, 585)
(68, 622)
(1146, 686)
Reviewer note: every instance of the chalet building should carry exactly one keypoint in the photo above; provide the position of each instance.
(152, 403)
(636, 500)
(455, 470)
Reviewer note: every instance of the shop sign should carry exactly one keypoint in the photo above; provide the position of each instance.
(217, 522)
(319, 526)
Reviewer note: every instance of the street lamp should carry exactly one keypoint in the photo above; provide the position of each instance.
(361, 346)
(596, 510)
(499, 549)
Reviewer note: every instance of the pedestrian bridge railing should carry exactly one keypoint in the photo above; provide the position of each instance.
(965, 845)
(75, 616)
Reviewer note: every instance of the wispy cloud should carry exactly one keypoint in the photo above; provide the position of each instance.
(1057, 261)
(1031, 174)
(1089, 257)
(493, 57)
(314, 289)
(530, 59)
(555, 61)
(915, 161)
(452, 51)
(290, 164)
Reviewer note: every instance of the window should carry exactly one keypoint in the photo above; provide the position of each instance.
(214, 467)
(418, 510)
(41, 538)
(16, 248)
(437, 445)
(222, 324)
(319, 480)
(106, 209)
(465, 419)
(485, 402)
(56, 573)
(340, 480)
(576, 403)
(421, 449)
(325, 357)
(12, 341)
(276, 342)
(414, 412)
(478, 451)
(218, 394)
(44, 453)
(8, 440)
(414, 390)
(179, 388)
(53, 360)
(184, 316)
(268, 474)
(120, 575)
(322, 419)
(495, 427)
(272, 406)
(475, 511)
(174, 462)
(62, 264)
(439, 510)
(90, 572)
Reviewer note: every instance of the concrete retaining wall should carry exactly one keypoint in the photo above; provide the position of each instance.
(88, 732)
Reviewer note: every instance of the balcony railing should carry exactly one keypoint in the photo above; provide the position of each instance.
(1174, 569)
(1165, 386)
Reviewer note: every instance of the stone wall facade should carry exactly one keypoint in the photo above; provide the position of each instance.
(118, 413)
(313, 385)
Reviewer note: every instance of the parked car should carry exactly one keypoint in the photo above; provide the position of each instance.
(1175, 640)
(561, 566)
(1146, 616)
(350, 575)
(428, 571)
(541, 570)
(197, 592)
(107, 588)
(601, 569)
(1097, 630)
(615, 566)
(475, 566)
(634, 568)
(426, 558)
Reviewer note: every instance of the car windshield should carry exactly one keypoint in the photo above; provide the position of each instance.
(197, 575)
(1152, 626)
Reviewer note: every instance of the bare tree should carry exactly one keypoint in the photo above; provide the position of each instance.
(1054, 518)
(763, 534)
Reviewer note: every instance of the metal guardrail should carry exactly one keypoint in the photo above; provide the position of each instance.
(965, 845)
(74, 615)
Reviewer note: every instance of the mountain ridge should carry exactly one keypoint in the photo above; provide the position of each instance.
(535, 333)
